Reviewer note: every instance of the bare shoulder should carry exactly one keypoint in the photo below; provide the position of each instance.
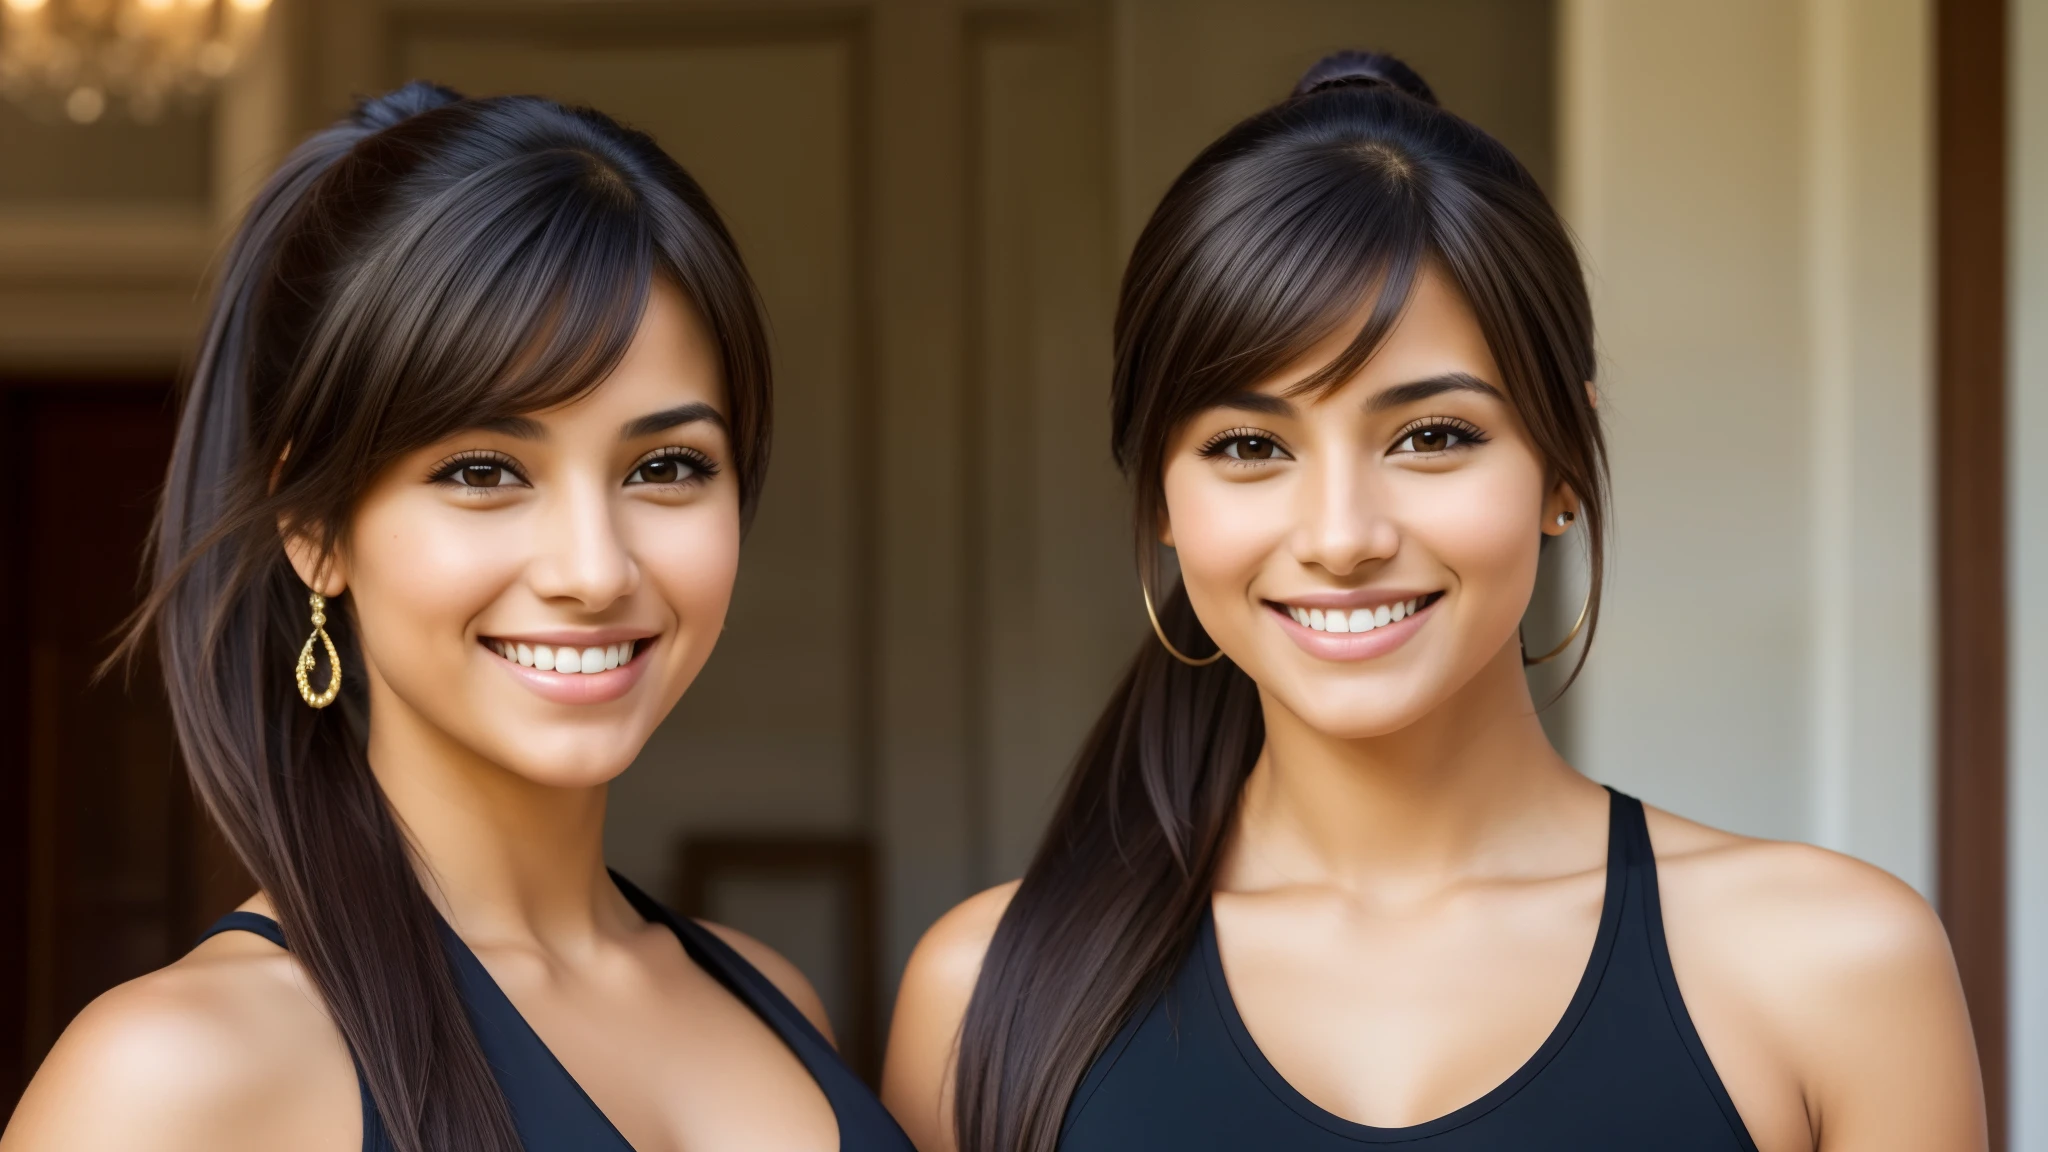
(226, 1048)
(1823, 989)
(1816, 914)
(948, 957)
(937, 985)
(787, 977)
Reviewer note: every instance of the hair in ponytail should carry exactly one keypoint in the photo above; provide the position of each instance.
(425, 264)
(1270, 241)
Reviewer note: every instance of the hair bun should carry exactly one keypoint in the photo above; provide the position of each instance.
(1355, 69)
(377, 113)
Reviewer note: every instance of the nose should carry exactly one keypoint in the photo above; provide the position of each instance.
(1342, 521)
(580, 556)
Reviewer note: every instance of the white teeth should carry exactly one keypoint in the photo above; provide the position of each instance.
(593, 660)
(1356, 620)
(524, 655)
(611, 655)
(544, 657)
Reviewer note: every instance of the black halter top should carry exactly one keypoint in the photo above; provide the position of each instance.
(552, 1112)
(1624, 1068)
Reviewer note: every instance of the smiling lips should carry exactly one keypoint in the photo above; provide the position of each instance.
(573, 673)
(1338, 632)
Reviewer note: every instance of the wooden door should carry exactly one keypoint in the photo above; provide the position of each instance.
(109, 869)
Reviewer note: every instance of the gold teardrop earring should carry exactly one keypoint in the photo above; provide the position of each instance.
(306, 660)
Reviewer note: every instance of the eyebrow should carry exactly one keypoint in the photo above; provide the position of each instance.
(674, 417)
(1399, 395)
(1404, 394)
(524, 428)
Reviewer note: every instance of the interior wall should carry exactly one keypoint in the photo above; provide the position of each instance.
(1749, 182)
(2027, 429)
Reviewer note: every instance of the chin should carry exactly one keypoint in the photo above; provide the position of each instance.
(576, 762)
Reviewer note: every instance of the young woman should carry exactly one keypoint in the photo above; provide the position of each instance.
(452, 522)
(1319, 882)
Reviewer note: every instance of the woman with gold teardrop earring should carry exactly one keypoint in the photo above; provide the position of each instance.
(1319, 882)
(453, 521)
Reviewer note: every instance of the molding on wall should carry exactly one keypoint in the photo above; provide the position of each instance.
(101, 289)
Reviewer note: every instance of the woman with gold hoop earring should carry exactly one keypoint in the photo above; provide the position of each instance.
(1339, 890)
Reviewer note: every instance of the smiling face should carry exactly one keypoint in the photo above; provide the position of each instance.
(1363, 554)
(540, 591)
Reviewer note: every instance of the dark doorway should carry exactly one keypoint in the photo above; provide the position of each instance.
(107, 868)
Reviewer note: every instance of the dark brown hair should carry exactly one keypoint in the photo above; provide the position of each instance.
(1270, 240)
(426, 264)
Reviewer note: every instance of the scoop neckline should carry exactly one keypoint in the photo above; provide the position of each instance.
(651, 912)
(1582, 998)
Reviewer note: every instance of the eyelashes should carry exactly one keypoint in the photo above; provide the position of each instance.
(673, 465)
(1429, 436)
(478, 468)
(478, 471)
(1433, 435)
(1245, 446)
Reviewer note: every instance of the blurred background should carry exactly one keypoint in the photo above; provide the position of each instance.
(1817, 232)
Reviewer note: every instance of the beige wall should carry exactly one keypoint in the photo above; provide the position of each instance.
(1749, 180)
(2028, 528)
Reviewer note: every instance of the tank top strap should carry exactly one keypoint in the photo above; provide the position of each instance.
(1647, 904)
(375, 1139)
(252, 922)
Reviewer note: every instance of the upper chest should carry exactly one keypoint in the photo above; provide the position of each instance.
(654, 1053)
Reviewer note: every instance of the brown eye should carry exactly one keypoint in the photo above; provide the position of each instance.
(1253, 448)
(481, 475)
(1432, 440)
(660, 472)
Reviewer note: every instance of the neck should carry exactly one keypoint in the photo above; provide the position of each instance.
(1469, 789)
(503, 857)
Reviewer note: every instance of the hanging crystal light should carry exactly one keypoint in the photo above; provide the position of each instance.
(83, 57)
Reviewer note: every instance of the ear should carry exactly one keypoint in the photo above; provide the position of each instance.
(1592, 396)
(1561, 501)
(1165, 528)
(323, 572)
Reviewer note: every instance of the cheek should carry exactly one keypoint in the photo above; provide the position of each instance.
(1222, 531)
(1481, 525)
(419, 572)
(691, 560)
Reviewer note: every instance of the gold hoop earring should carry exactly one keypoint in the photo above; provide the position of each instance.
(1570, 636)
(1204, 662)
(306, 661)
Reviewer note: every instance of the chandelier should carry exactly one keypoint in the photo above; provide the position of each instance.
(82, 57)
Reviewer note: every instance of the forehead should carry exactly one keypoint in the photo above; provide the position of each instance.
(1437, 335)
(671, 360)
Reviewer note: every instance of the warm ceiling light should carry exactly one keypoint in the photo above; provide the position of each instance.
(83, 58)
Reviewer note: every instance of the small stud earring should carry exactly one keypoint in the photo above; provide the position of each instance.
(1564, 519)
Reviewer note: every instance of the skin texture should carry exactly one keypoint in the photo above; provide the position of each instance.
(1414, 877)
(564, 529)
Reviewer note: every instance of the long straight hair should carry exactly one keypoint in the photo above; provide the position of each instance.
(1270, 240)
(426, 264)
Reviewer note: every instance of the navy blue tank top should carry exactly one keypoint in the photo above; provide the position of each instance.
(1624, 1068)
(552, 1112)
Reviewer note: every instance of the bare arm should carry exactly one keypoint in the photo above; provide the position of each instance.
(1824, 991)
(917, 1076)
(223, 1050)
